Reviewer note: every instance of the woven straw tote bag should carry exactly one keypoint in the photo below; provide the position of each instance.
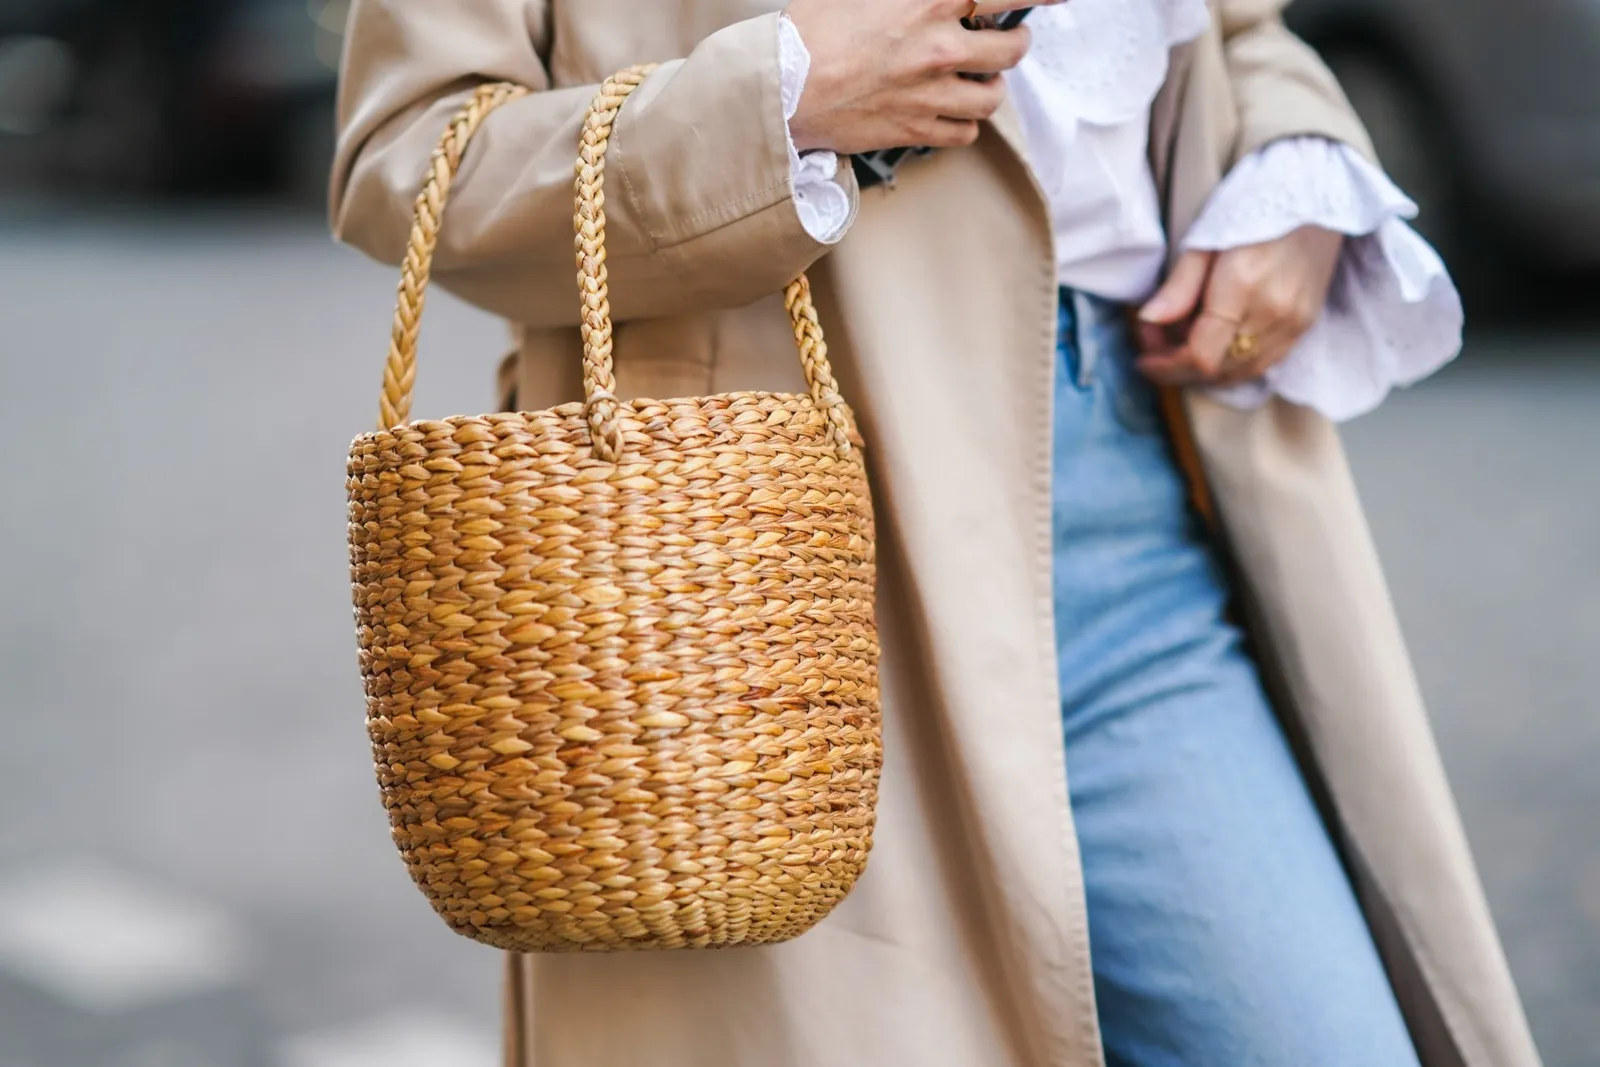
(620, 658)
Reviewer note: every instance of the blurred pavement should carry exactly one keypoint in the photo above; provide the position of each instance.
(194, 866)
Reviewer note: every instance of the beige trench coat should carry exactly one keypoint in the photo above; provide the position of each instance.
(965, 945)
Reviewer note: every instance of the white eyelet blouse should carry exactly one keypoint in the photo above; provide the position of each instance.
(1084, 95)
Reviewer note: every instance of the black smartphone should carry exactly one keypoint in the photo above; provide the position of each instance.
(878, 168)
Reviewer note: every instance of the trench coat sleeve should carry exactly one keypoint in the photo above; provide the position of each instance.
(1282, 87)
(698, 197)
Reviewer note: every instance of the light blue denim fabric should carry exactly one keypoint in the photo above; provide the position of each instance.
(1223, 929)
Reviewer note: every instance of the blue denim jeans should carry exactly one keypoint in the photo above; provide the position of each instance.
(1223, 929)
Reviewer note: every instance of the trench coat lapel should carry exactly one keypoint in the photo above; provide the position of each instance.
(1164, 114)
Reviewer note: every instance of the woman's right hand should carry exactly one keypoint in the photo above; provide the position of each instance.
(887, 73)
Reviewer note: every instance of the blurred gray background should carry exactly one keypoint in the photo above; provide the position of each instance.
(194, 866)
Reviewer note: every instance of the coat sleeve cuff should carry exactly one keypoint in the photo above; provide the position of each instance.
(726, 100)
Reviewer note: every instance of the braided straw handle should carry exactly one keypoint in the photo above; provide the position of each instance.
(601, 407)
(400, 371)
(589, 218)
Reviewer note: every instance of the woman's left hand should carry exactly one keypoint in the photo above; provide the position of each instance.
(1223, 318)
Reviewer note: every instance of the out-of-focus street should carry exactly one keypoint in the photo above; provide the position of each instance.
(194, 866)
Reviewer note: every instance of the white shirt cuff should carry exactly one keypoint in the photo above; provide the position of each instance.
(823, 204)
(1393, 315)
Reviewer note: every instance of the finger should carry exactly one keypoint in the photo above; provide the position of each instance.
(1228, 296)
(1209, 340)
(990, 51)
(1230, 290)
(1170, 363)
(964, 99)
(961, 8)
(1180, 295)
(1155, 339)
(1175, 368)
(951, 133)
(1273, 346)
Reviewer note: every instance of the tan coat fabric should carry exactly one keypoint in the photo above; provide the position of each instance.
(965, 945)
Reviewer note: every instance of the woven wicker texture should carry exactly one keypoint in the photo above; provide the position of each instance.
(620, 658)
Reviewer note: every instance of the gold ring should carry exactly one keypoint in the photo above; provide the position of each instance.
(1243, 347)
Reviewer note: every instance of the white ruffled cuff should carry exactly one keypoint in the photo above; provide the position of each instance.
(1393, 315)
(823, 204)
